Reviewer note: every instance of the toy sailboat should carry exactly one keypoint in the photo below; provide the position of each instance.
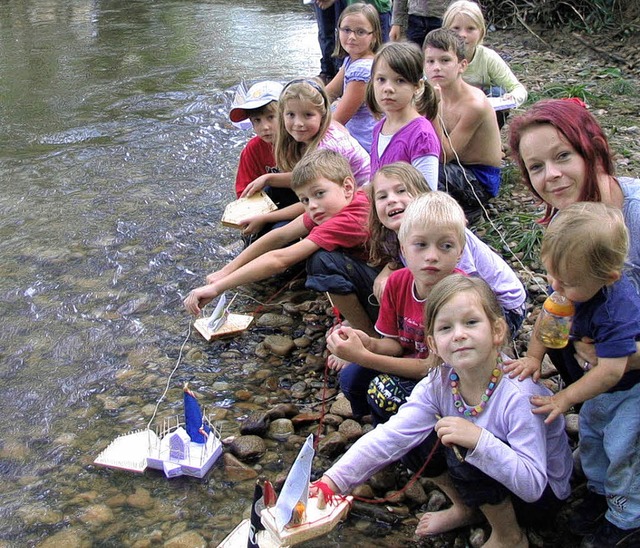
(188, 447)
(221, 323)
(296, 517)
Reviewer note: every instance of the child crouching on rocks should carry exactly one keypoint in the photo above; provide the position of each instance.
(330, 235)
(514, 469)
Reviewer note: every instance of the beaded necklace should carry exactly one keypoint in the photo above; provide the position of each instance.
(475, 410)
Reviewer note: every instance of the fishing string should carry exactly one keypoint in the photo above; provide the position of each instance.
(166, 389)
(532, 275)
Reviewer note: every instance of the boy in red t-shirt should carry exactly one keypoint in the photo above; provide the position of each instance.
(330, 235)
(260, 106)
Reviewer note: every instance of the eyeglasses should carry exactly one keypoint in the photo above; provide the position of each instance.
(360, 33)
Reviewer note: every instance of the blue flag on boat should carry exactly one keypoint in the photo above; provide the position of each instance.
(197, 429)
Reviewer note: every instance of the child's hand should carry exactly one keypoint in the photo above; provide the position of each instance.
(553, 405)
(253, 225)
(255, 186)
(378, 286)
(585, 352)
(198, 298)
(523, 368)
(347, 343)
(458, 431)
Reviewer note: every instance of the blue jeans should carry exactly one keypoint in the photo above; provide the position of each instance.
(327, 22)
(610, 452)
(354, 383)
(418, 27)
(340, 273)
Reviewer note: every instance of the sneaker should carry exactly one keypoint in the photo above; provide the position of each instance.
(586, 515)
(609, 536)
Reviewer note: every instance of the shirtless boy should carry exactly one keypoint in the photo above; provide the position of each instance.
(466, 124)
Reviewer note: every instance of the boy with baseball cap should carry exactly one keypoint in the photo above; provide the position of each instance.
(260, 106)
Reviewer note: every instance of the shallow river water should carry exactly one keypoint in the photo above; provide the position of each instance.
(116, 156)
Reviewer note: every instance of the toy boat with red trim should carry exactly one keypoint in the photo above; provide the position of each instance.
(295, 517)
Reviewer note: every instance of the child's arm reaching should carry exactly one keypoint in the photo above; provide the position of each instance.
(260, 260)
(279, 180)
(531, 364)
(253, 225)
(381, 281)
(595, 382)
(384, 355)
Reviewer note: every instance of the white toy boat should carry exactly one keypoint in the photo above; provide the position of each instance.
(189, 447)
(275, 527)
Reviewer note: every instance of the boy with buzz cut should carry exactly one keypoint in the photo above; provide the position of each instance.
(330, 235)
(383, 371)
(583, 251)
(467, 126)
(257, 159)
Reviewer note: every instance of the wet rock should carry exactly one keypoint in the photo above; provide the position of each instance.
(477, 537)
(306, 418)
(326, 393)
(302, 342)
(96, 515)
(69, 538)
(235, 470)
(140, 498)
(341, 407)
(218, 413)
(314, 362)
(195, 354)
(332, 420)
(256, 424)
(332, 444)
(283, 410)
(364, 491)
(261, 350)
(396, 497)
(436, 501)
(572, 421)
(281, 429)
(416, 493)
(384, 480)
(248, 447)
(243, 395)
(188, 539)
(34, 514)
(350, 429)
(280, 345)
(299, 390)
(116, 501)
(275, 321)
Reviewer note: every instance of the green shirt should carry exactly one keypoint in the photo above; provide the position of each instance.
(383, 6)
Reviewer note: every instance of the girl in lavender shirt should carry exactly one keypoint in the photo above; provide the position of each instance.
(494, 457)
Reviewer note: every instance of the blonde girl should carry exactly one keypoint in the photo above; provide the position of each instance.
(304, 125)
(496, 459)
(486, 69)
(359, 39)
(392, 189)
(398, 91)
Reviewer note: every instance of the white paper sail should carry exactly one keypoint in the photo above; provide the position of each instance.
(219, 314)
(296, 486)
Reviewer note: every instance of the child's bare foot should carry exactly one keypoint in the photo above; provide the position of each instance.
(458, 515)
(518, 540)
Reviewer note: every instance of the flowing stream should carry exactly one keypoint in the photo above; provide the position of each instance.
(116, 156)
